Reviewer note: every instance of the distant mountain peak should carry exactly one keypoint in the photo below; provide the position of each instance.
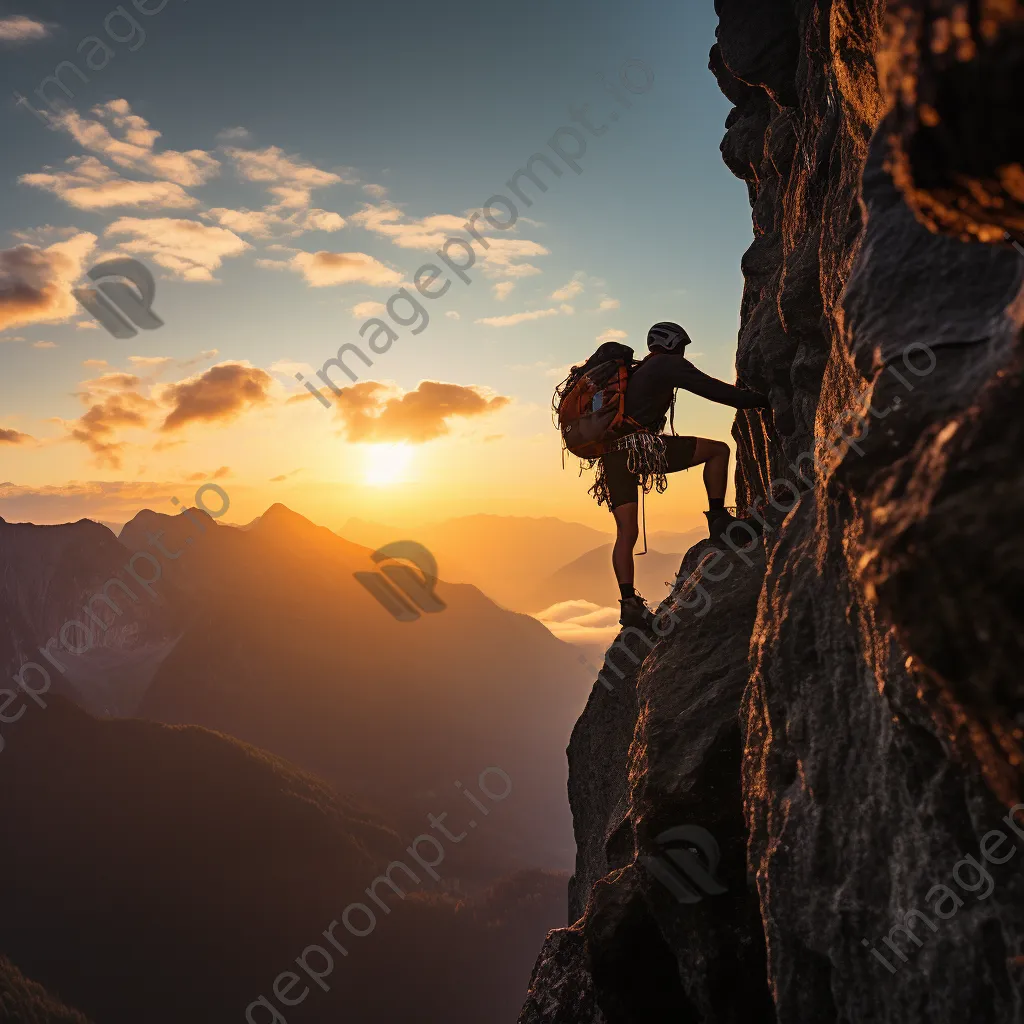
(281, 516)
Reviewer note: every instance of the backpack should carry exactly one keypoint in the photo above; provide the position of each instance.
(591, 402)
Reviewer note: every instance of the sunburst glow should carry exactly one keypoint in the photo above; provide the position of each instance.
(387, 463)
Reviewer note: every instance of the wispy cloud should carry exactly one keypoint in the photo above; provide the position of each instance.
(581, 622)
(362, 310)
(88, 184)
(570, 289)
(290, 179)
(323, 269)
(501, 256)
(10, 436)
(19, 29)
(114, 405)
(217, 474)
(127, 140)
(191, 250)
(518, 318)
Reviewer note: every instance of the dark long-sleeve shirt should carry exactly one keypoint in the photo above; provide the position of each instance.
(649, 393)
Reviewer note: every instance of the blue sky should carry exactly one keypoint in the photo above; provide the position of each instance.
(378, 116)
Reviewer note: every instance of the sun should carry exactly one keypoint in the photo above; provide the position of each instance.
(387, 463)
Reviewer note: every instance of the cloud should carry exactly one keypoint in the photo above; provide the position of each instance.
(517, 318)
(153, 362)
(268, 221)
(272, 165)
(114, 401)
(204, 356)
(284, 476)
(611, 334)
(114, 501)
(607, 304)
(453, 314)
(290, 368)
(95, 363)
(44, 344)
(363, 310)
(503, 256)
(86, 325)
(220, 393)
(187, 248)
(219, 474)
(581, 622)
(19, 29)
(115, 380)
(321, 269)
(500, 257)
(45, 234)
(88, 184)
(569, 290)
(290, 183)
(375, 191)
(502, 289)
(407, 233)
(135, 148)
(114, 406)
(321, 220)
(11, 436)
(233, 134)
(35, 284)
(374, 412)
(290, 179)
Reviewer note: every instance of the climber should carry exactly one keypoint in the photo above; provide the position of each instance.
(649, 395)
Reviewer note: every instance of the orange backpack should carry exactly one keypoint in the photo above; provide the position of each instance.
(591, 402)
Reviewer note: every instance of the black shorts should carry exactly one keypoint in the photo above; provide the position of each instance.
(624, 487)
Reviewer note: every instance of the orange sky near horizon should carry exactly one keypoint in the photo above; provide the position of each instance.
(505, 462)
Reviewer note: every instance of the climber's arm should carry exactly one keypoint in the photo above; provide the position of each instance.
(686, 376)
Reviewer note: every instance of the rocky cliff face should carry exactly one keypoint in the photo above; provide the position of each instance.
(831, 732)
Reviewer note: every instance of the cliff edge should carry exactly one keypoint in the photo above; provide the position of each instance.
(803, 802)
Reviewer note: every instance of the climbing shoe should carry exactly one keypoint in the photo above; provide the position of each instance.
(635, 613)
(719, 524)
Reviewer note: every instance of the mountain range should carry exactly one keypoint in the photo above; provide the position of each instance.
(236, 738)
(528, 564)
(165, 874)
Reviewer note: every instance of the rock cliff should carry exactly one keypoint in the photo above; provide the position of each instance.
(803, 802)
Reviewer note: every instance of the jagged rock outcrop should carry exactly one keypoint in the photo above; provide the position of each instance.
(659, 746)
(879, 717)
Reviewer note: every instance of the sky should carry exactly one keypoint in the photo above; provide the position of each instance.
(284, 173)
